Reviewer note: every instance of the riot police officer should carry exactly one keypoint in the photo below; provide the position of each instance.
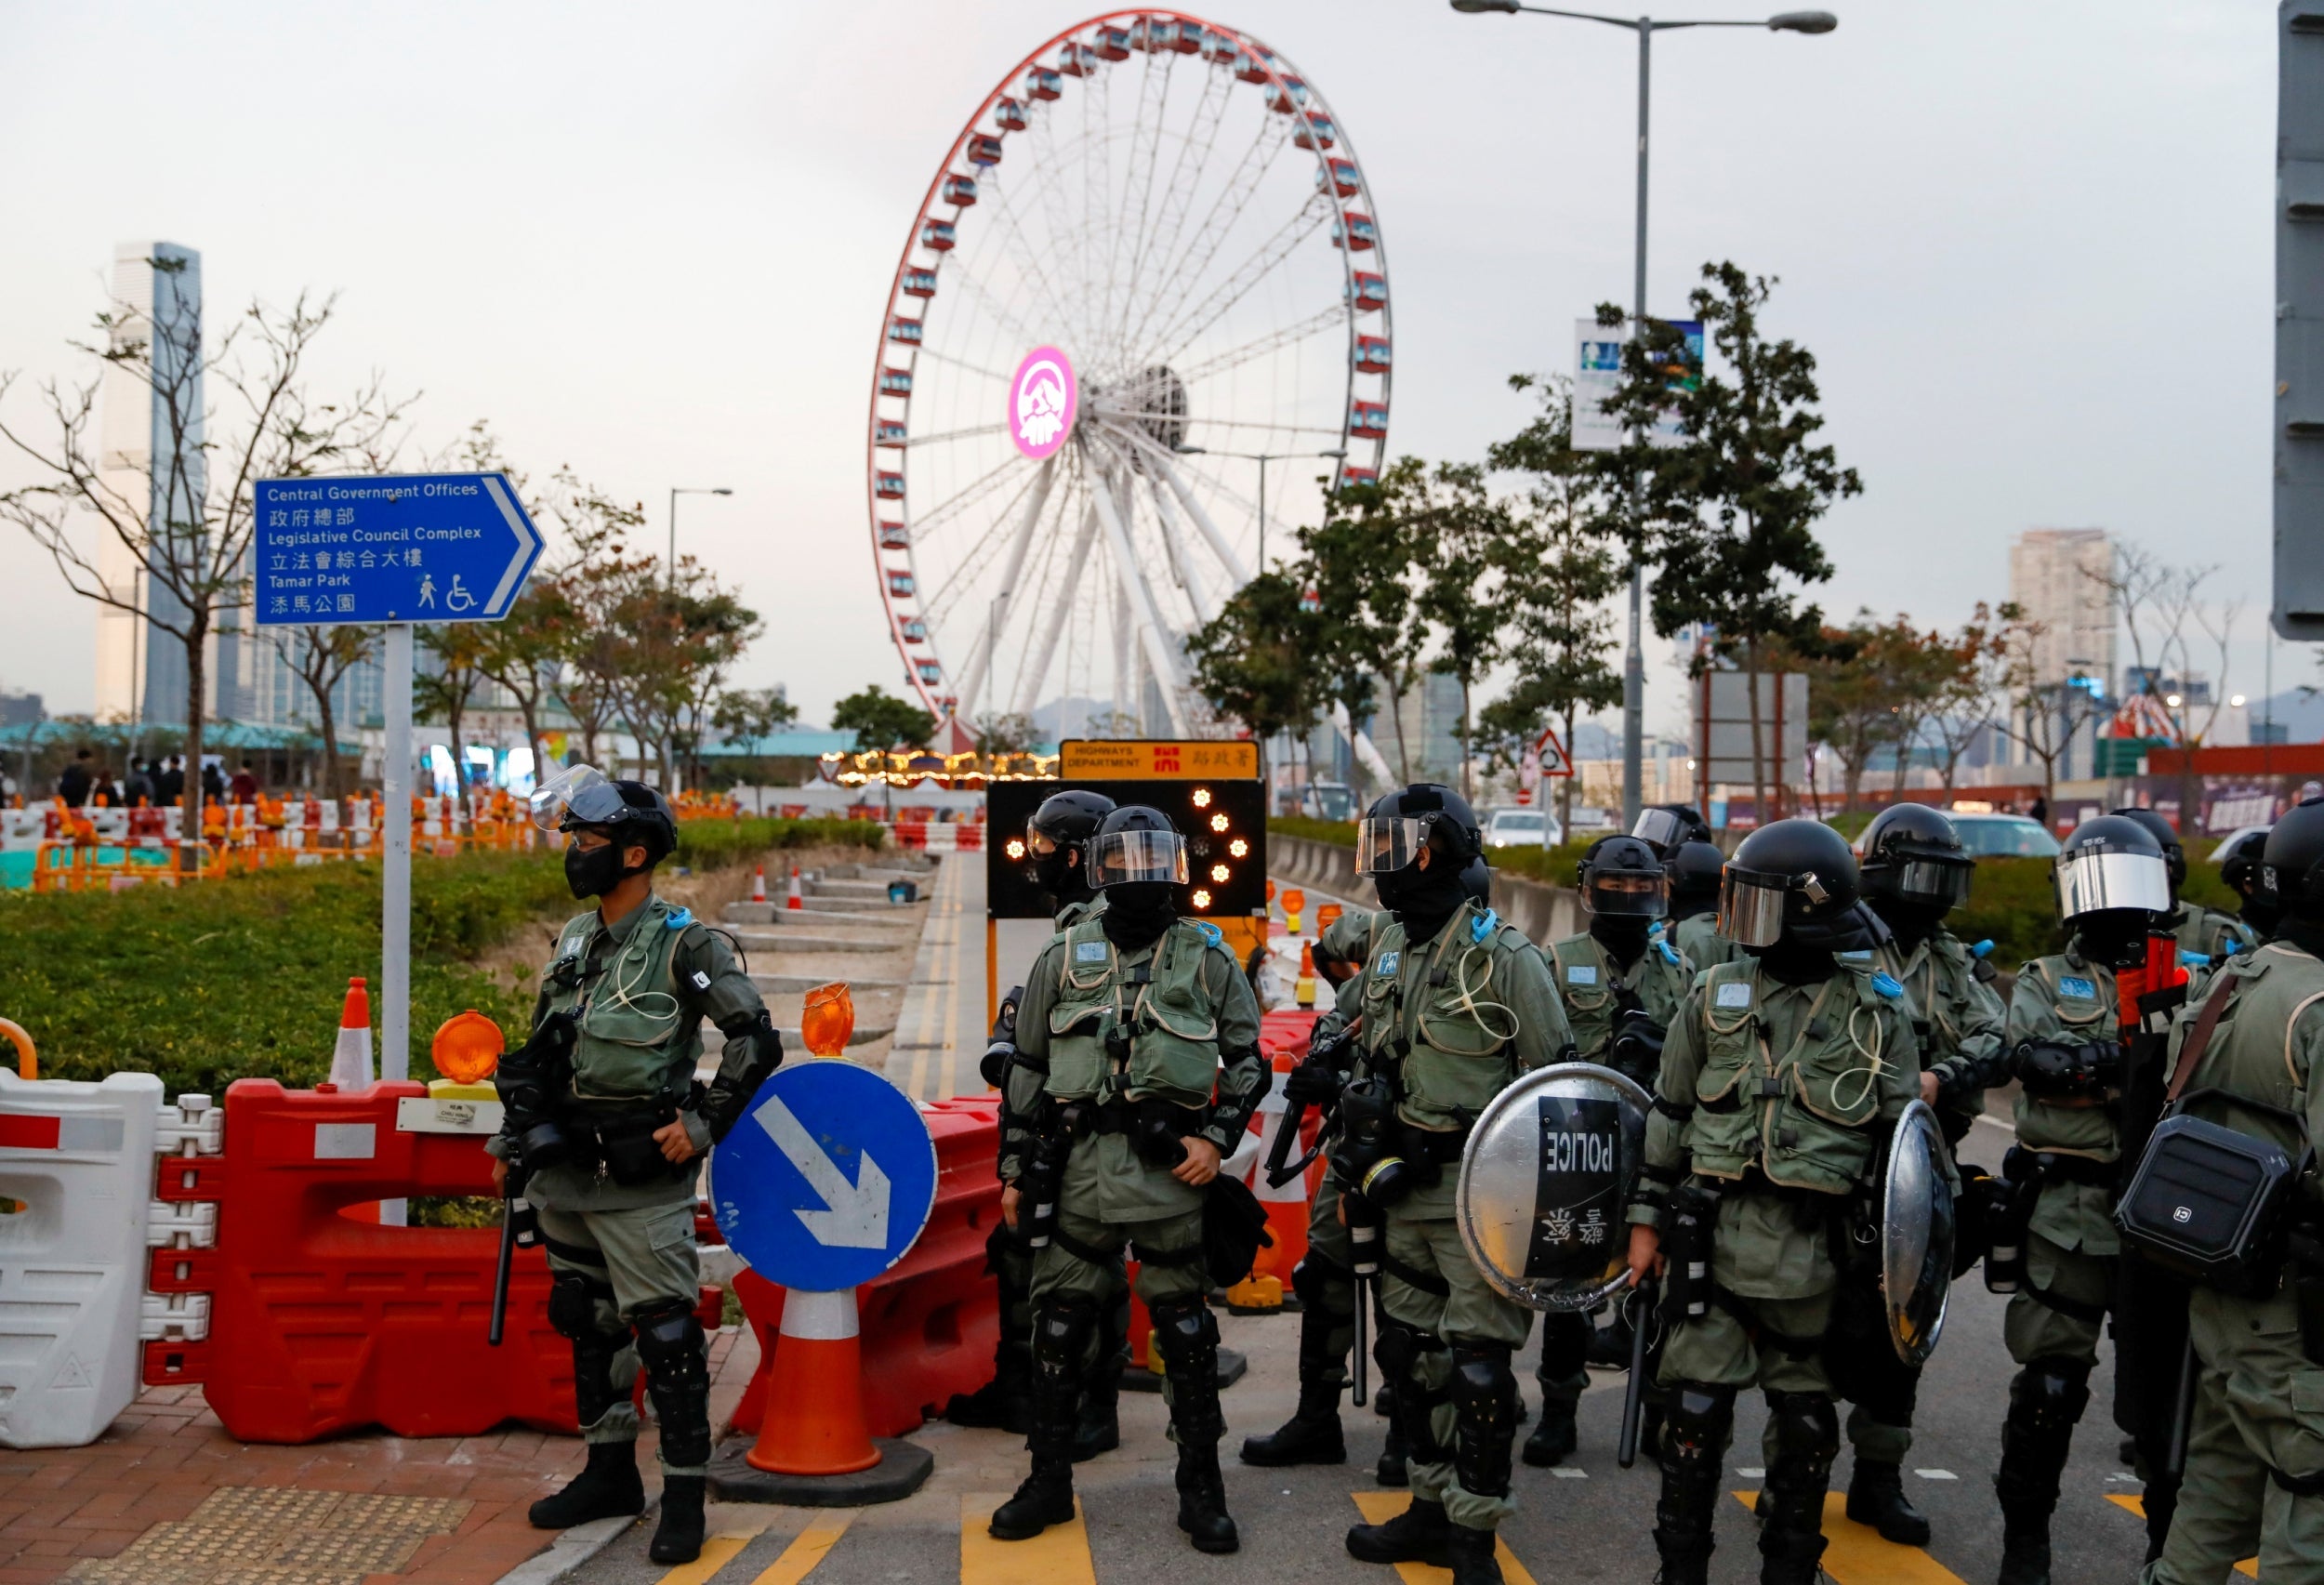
(603, 1117)
(2241, 866)
(1695, 868)
(1666, 827)
(2113, 888)
(1778, 1076)
(2200, 929)
(1454, 1005)
(1914, 872)
(1129, 1018)
(1057, 838)
(2255, 1453)
(1622, 983)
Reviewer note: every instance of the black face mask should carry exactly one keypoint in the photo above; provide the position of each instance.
(1060, 878)
(592, 872)
(1913, 922)
(1422, 899)
(2262, 915)
(1795, 962)
(2305, 934)
(1624, 935)
(1137, 912)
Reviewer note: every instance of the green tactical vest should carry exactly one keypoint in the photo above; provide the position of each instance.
(2081, 1010)
(1172, 1021)
(1698, 939)
(1591, 987)
(1805, 1115)
(1436, 1005)
(2212, 933)
(635, 1035)
(2251, 1052)
(1936, 980)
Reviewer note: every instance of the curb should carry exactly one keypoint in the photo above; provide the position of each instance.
(570, 1551)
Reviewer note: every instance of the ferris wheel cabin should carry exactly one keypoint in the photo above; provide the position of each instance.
(907, 331)
(1077, 60)
(889, 487)
(920, 283)
(899, 582)
(1043, 84)
(1356, 231)
(1112, 43)
(895, 382)
(938, 237)
(959, 191)
(1315, 131)
(1008, 115)
(893, 537)
(1372, 356)
(1370, 292)
(1340, 176)
(1367, 421)
(985, 149)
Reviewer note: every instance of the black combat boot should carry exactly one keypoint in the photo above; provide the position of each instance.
(1473, 1562)
(1311, 1436)
(1876, 1496)
(1395, 1452)
(1060, 1334)
(1806, 1432)
(1006, 1402)
(1556, 1435)
(677, 1358)
(1697, 1420)
(2045, 1400)
(1421, 1533)
(1188, 1335)
(1485, 1428)
(607, 1487)
(1098, 1427)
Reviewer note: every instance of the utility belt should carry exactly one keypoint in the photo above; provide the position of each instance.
(1158, 1128)
(2053, 1166)
(1383, 1157)
(620, 1145)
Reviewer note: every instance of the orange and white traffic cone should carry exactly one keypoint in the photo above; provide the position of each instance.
(1303, 988)
(758, 885)
(1262, 1292)
(796, 899)
(350, 1059)
(814, 1422)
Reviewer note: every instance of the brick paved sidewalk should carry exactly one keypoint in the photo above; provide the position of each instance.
(166, 1462)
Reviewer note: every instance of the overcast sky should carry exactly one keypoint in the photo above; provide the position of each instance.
(2029, 244)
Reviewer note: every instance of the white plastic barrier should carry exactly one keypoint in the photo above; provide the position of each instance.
(76, 1170)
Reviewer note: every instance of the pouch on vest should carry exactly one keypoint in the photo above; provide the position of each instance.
(2207, 1203)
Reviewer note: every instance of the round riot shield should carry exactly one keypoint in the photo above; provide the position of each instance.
(1544, 1182)
(1916, 1234)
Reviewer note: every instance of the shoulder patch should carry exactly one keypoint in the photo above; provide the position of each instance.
(2077, 987)
(1387, 964)
(1089, 952)
(1886, 984)
(1861, 954)
(701, 980)
(1733, 993)
(1582, 973)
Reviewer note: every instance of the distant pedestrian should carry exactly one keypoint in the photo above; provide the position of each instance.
(246, 788)
(213, 782)
(171, 786)
(73, 784)
(138, 790)
(2041, 811)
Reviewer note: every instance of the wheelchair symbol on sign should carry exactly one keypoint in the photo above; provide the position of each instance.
(458, 599)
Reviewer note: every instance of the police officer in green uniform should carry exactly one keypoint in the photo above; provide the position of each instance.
(1057, 838)
(2255, 1452)
(2214, 936)
(2113, 888)
(1454, 1005)
(1695, 868)
(1622, 983)
(2240, 867)
(1914, 872)
(1778, 1077)
(1323, 1279)
(1131, 1018)
(604, 1118)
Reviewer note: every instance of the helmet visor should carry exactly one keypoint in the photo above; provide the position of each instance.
(2094, 881)
(1933, 882)
(600, 803)
(1388, 843)
(1659, 827)
(1625, 896)
(551, 797)
(1119, 856)
(1038, 841)
(1750, 907)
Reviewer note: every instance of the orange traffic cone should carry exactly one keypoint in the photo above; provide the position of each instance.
(1262, 1292)
(795, 899)
(814, 1422)
(758, 885)
(1303, 988)
(350, 1060)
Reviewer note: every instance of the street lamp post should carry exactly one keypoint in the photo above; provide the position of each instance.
(686, 490)
(1635, 659)
(1262, 459)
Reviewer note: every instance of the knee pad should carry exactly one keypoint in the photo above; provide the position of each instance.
(1183, 1328)
(1696, 1420)
(669, 1339)
(572, 1306)
(1483, 1387)
(1315, 1278)
(677, 1358)
(2049, 1394)
(1061, 1334)
(1805, 1426)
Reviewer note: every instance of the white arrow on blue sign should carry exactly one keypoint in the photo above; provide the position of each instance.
(398, 548)
(826, 1181)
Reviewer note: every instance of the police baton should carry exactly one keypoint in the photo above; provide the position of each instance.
(1633, 1395)
(519, 1229)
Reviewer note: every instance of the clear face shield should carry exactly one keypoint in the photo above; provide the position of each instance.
(2096, 881)
(1625, 894)
(553, 797)
(1659, 829)
(1120, 856)
(1388, 844)
(1750, 907)
(1038, 843)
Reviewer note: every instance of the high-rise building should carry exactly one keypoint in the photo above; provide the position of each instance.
(2058, 578)
(150, 460)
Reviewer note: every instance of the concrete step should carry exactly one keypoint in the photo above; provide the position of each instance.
(846, 902)
(877, 889)
(744, 914)
(800, 985)
(789, 941)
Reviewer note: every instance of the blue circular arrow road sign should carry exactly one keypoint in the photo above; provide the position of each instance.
(828, 1178)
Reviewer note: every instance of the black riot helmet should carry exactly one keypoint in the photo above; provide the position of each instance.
(2113, 885)
(628, 813)
(2240, 862)
(1663, 827)
(1135, 844)
(1693, 871)
(1400, 823)
(2166, 838)
(1623, 877)
(1795, 880)
(1913, 856)
(2294, 860)
(1058, 837)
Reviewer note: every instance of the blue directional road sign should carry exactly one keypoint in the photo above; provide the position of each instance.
(827, 1179)
(400, 547)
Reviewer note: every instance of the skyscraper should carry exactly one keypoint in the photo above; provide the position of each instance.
(151, 461)
(2057, 576)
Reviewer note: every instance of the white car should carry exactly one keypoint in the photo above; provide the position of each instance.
(1523, 828)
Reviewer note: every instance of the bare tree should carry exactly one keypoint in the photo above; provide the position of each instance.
(187, 525)
(1969, 695)
(322, 657)
(2044, 714)
(2169, 619)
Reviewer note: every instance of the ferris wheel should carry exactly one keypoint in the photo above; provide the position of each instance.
(1140, 325)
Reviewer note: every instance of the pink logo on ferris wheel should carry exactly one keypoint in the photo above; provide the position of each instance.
(1042, 401)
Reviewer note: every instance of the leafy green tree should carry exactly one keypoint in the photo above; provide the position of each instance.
(322, 657)
(1010, 733)
(1727, 514)
(446, 689)
(1254, 660)
(881, 722)
(1356, 572)
(1463, 583)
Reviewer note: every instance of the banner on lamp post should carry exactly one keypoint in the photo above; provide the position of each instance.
(1598, 379)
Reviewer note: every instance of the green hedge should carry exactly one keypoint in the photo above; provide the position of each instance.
(714, 844)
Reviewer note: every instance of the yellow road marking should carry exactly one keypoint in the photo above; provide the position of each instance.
(1059, 1555)
(807, 1548)
(1378, 1507)
(2137, 1505)
(717, 1553)
(1855, 1554)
